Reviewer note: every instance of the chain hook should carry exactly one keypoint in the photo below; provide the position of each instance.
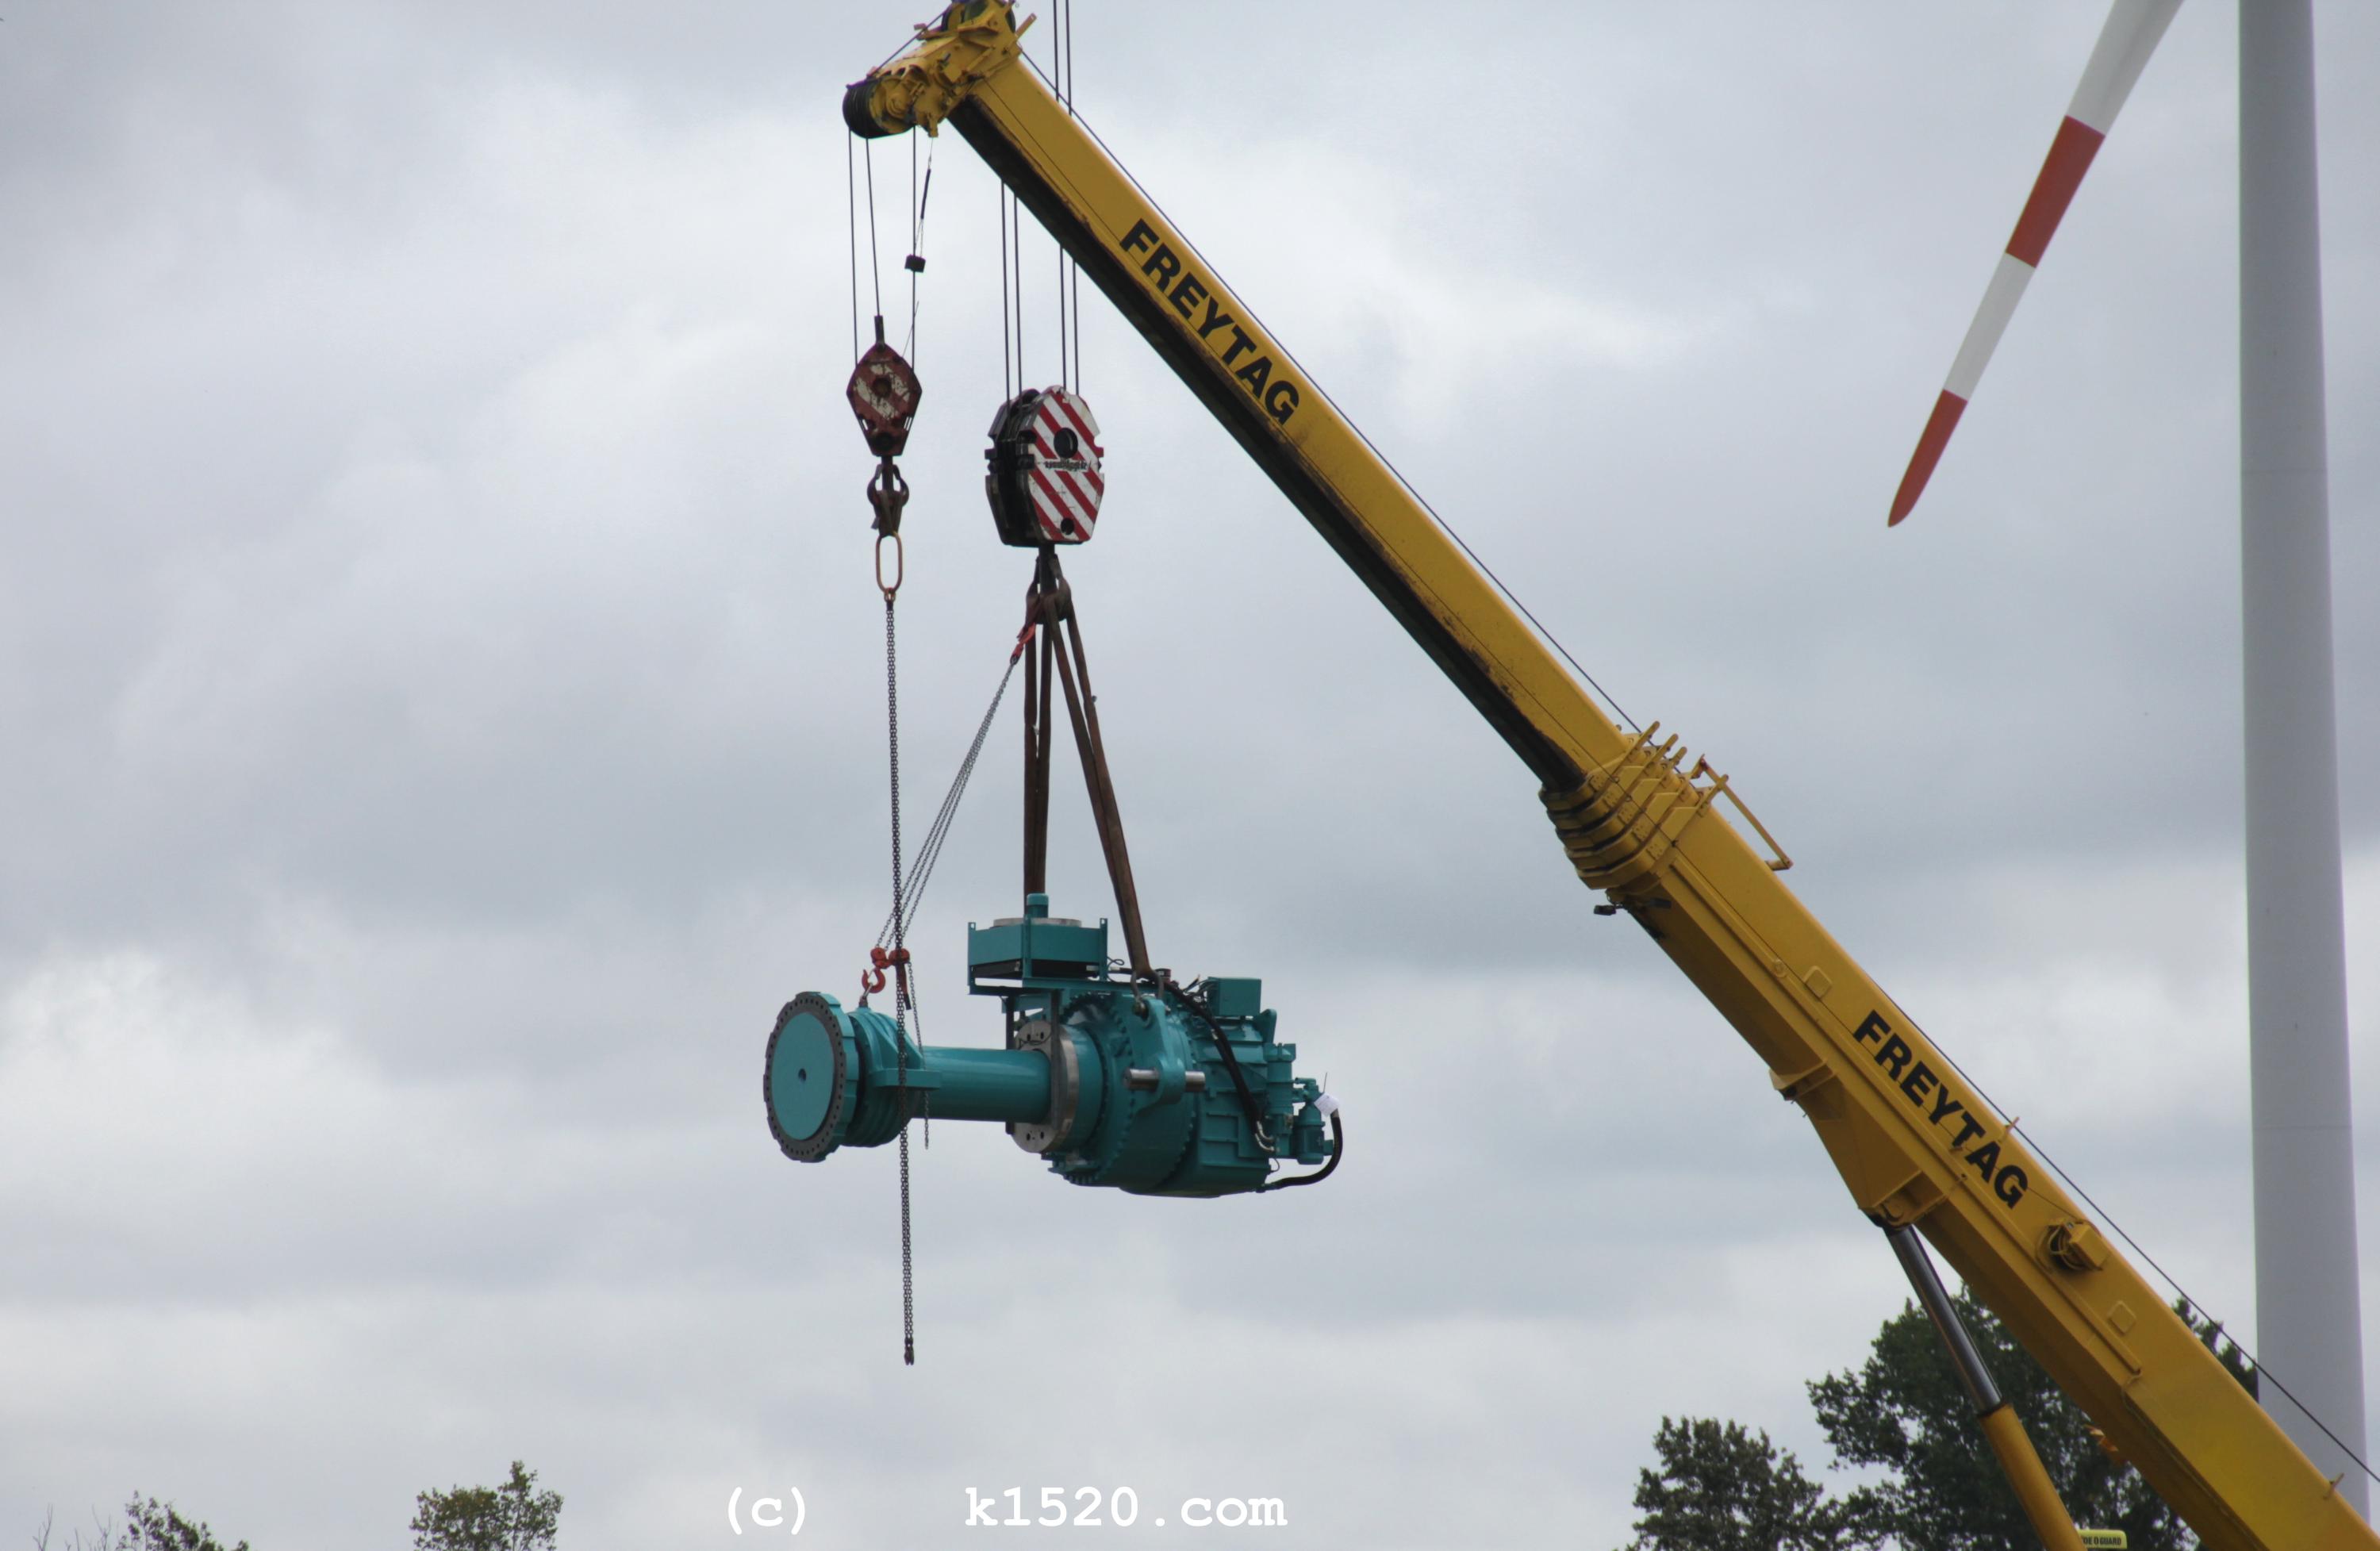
(888, 493)
(879, 960)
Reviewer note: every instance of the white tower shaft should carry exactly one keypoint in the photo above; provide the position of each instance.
(2308, 1320)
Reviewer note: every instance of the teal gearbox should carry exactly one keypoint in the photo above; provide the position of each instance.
(1158, 1089)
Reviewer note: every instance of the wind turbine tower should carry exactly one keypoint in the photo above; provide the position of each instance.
(2309, 1324)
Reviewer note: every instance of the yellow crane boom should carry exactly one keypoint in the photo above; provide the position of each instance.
(1916, 1143)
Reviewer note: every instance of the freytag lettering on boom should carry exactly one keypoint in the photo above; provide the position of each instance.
(1930, 1096)
(1187, 292)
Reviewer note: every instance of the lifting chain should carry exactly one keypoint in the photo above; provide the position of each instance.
(898, 959)
(883, 391)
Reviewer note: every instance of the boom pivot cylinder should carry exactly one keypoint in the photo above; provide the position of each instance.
(2000, 1425)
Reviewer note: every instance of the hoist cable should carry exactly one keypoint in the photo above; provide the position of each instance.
(1011, 299)
(916, 248)
(1070, 319)
(1420, 500)
(1058, 56)
(875, 263)
(1074, 272)
(1016, 279)
(909, 347)
(1007, 370)
(851, 230)
(1070, 273)
(922, 198)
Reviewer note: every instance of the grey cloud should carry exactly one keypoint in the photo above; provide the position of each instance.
(442, 680)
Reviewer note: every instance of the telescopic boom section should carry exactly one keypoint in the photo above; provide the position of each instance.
(1914, 1141)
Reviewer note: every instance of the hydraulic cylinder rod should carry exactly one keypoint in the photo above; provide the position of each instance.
(2002, 1429)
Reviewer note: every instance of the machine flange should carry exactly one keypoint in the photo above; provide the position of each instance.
(810, 1076)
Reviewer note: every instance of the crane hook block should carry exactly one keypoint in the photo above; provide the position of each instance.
(1042, 471)
(1146, 1088)
(884, 393)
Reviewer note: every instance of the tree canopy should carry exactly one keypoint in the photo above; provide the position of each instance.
(1722, 1487)
(1903, 1416)
(1905, 1410)
(151, 1525)
(514, 1517)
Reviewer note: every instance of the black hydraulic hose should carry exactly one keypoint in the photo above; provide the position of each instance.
(1198, 1008)
(1338, 1151)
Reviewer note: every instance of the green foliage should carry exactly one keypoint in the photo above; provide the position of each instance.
(514, 1517)
(1723, 1488)
(2226, 1351)
(1905, 1410)
(1903, 1413)
(151, 1525)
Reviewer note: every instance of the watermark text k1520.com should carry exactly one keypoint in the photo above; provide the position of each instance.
(1087, 1508)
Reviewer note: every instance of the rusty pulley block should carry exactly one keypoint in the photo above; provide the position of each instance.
(884, 392)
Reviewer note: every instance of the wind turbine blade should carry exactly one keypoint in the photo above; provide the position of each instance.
(2125, 43)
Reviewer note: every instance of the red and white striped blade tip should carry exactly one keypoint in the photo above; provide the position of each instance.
(1948, 408)
(2133, 30)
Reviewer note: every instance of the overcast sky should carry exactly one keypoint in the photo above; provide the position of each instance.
(441, 682)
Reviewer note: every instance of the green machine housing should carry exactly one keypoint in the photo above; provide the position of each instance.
(1159, 1090)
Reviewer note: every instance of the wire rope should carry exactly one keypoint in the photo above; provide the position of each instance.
(851, 232)
(2263, 1373)
(875, 262)
(1407, 485)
